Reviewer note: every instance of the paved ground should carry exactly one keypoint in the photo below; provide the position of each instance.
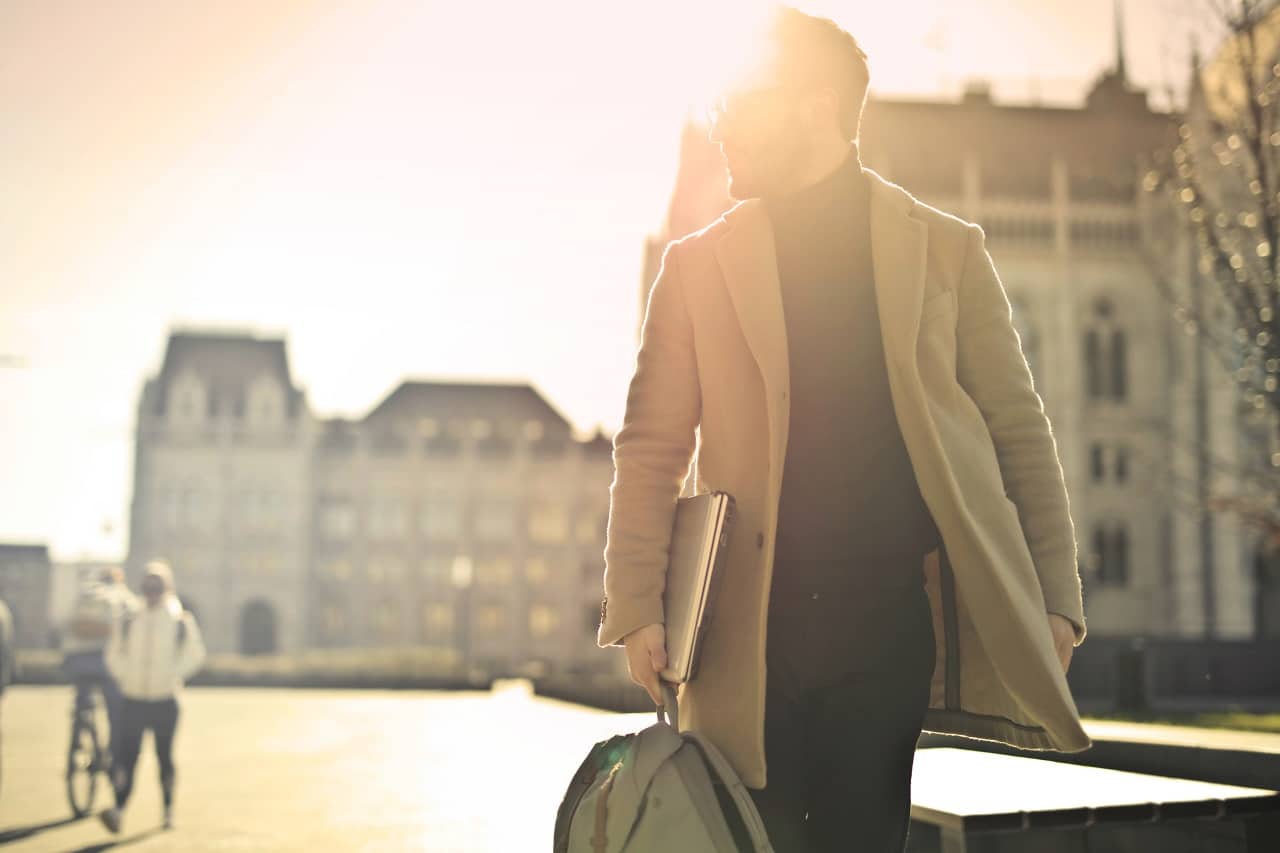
(317, 770)
(265, 770)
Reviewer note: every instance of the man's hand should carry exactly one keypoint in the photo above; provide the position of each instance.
(646, 657)
(1064, 638)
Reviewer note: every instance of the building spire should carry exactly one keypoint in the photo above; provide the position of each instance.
(1121, 72)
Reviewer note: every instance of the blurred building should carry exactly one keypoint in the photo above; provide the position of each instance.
(460, 517)
(24, 586)
(222, 488)
(1059, 193)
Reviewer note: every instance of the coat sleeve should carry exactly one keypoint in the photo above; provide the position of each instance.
(994, 372)
(651, 455)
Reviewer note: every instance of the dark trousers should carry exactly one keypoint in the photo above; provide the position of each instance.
(849, 667)
(161, 717)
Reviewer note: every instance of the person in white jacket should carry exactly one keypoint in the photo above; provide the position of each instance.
(151, 654)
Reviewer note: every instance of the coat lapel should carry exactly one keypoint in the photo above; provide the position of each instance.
(750, 268)
(899, 258)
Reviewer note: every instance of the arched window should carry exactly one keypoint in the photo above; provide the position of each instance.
(1106, 355)
(1109, 555)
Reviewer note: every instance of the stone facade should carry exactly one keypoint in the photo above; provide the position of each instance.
(464, 519)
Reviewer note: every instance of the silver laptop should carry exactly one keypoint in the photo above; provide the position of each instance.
(699, 543)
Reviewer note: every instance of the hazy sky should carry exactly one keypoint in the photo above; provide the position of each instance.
(401, 188)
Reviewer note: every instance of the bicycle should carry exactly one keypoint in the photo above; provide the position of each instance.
(87, 756)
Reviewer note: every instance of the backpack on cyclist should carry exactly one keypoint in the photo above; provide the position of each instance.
(91, 615)
(655, 790)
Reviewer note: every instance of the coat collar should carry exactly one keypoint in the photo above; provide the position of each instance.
(898, 251)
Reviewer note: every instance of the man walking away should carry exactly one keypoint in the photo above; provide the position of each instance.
(841, 358)
(151, 654)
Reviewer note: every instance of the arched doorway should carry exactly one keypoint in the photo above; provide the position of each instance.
(258, 628)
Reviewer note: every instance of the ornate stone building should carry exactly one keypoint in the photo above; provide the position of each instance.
(1136, 405)
(222, 488)
(463, 518)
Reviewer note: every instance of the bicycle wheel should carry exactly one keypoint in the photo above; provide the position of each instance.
(83, 764)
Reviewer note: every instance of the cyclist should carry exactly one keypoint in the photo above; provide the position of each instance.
(151, 653)
(101, 602)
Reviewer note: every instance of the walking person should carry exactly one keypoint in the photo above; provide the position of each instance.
(100, 605)
(151, 654)
(842, 359)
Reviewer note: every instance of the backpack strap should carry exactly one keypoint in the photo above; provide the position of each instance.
(738, 791)
(722, 768)
(669, 711)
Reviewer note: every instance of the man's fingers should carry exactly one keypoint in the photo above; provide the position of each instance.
(643, 674)
(649, 681)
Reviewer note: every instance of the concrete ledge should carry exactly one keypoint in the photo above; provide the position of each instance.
(1229, 757)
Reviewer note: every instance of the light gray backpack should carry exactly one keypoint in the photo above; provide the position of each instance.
(654, 790)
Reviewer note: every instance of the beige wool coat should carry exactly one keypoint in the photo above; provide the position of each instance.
(712, 377)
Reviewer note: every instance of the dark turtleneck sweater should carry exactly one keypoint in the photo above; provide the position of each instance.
(852, 524)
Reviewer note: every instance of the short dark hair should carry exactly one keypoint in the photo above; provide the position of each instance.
(812, 51)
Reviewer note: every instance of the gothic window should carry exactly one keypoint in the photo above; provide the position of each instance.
(1106, 355)
(1122, 464)
(1096, 463)
(1110, 558)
